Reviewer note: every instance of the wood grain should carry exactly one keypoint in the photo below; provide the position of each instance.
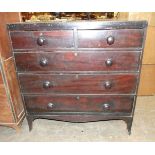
(98, 38)
(13, 85)
(53, 39)
(78, 103)
(74, 50)
(78, 61)
(11, 113)
(78, 84)
(6, 18)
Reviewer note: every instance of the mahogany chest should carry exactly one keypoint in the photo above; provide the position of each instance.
(79, 71)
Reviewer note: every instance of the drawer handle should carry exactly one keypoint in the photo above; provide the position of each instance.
(46, 84)
(43, 62)
(108, 84)
(77, 97)
(106, 106)
(109, 62)
(110, 40)
(50, 105)
(41, 41)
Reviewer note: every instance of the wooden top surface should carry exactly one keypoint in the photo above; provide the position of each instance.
(44, 26)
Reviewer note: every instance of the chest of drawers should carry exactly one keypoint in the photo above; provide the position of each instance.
(79, 71)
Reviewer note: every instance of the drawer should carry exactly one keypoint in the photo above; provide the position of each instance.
(78, 83)
(122, 38)
(48, 103)
(42, 40)
(78, 61)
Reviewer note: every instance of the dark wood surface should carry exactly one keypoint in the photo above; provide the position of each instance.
(76, 72)
(78, 25)
(85, 39)
(78, 83)
(82, 118)
(78, 61)
(79, 103)
(98, 38)
(53, 39)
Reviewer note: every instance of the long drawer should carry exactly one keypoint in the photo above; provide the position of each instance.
(48, 103)
(78, 61)
(78, 83)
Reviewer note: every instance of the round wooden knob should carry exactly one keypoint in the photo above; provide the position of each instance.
(77, 97)
(41, 41)
(106, 106)
(50, 105)
(108, 84)
(110, 40)
(43, 62)
(46, 84)
(108, 62)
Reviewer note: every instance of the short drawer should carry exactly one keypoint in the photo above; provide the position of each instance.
(47, 103)
(78, 83)
(122, 38)
(42, 40)
(78, 61)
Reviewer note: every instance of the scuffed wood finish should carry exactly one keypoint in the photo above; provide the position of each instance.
(69, 72)
(122, 38)
(11, 78)
(86, 39)
(74, 83)
(5, 110)
(48, 26)
(79, 118)
(78, 61)
(79, 103)
(53, 39)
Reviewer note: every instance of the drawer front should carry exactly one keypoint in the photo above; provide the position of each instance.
(42, 40)
(74, 83)
(78, 61)
(125, 38)
(47, 103)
